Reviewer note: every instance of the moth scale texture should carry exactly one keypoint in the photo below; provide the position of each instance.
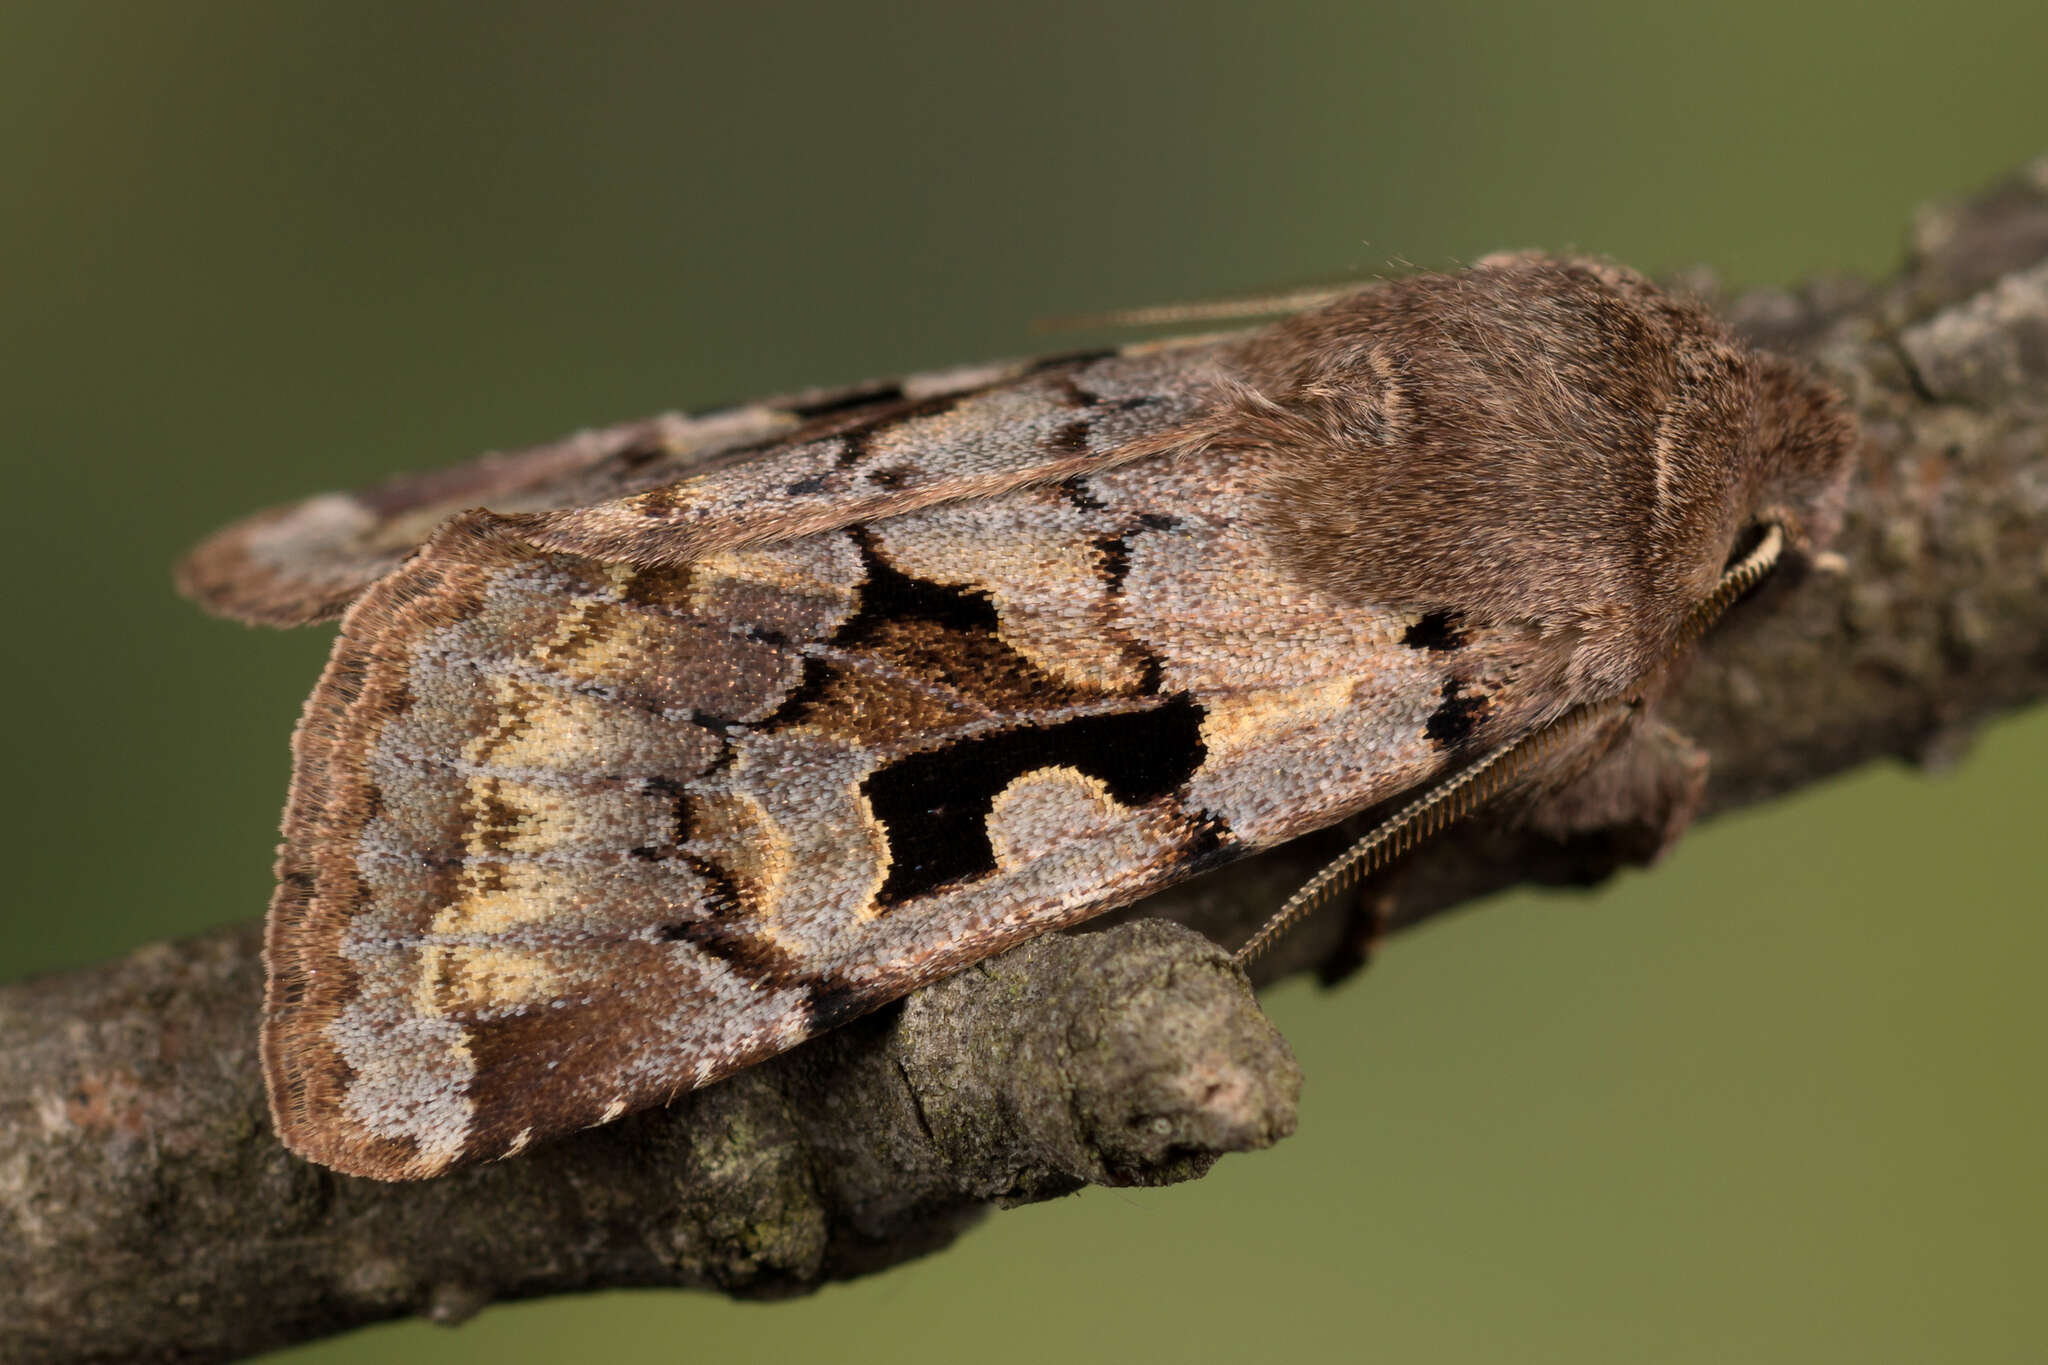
(648, 754)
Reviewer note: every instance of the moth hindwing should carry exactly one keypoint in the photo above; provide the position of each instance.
(711, 733)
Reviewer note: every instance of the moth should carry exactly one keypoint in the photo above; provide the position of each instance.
(645, 755)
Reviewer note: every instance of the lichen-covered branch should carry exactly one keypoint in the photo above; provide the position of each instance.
(147, 1213)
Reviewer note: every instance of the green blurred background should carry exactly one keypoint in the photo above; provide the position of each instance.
(1778, 1101)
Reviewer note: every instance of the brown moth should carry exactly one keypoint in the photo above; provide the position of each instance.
(647, 755)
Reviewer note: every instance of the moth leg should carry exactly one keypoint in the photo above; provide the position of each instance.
(1368, 916)
(1626, 809)
(1632, 804)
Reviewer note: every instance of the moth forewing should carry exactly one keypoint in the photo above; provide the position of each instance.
(640, 778)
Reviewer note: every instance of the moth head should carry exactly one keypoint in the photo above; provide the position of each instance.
(1803, 450)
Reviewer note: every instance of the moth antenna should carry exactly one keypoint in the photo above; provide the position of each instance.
(1201, 310)
(1739, 578)
(1448, 801)
(1458, 796)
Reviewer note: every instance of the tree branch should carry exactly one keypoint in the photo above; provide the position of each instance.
(147, 1213)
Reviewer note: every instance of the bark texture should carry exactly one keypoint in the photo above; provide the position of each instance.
(147, 1213)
